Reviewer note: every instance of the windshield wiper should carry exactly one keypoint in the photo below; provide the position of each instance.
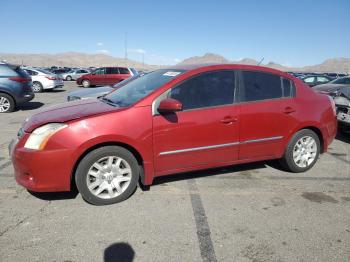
(108, 101)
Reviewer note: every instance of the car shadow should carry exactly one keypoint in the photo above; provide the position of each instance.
(214, 172)
(343, 136)
(51, 196)
(121, 252)
(30, 106)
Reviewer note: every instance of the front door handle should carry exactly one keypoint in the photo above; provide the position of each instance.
(288, 110)
(228, 119)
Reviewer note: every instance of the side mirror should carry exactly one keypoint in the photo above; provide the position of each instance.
(169, 105)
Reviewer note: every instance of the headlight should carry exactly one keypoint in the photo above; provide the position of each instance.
(39, 137)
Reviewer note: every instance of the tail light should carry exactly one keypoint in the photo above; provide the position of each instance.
(333, 105)
(51, 77)
(20, 79)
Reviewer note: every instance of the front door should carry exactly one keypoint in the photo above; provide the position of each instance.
(205, 132)
(98, 77)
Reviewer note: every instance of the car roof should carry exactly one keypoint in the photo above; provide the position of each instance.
(213, 66)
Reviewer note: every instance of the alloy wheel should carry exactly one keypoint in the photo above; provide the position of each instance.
(305, 151)
(36, 87)
(4, 104)
(109, 177)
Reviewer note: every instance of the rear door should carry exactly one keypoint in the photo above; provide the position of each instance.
(267, 114)
(205, 132)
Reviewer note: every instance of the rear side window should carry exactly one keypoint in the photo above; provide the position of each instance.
(123, 71)
(206, 90)
(112, 71)
(260, 86)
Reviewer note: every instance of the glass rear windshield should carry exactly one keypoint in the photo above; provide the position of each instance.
(139, 88)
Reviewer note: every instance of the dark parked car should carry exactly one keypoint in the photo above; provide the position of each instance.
(106, 76)
(314, 80)
(15, 87)
(169, 121)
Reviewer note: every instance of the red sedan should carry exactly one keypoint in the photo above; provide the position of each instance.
(170, 121)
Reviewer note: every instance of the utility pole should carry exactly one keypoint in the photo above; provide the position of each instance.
(126, 47)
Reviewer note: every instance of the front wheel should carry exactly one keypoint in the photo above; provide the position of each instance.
(68, 78)
(302, 151)
(86, 83)
(107, 175)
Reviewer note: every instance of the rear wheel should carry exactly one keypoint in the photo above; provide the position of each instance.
(107, 175)
(69, 78)
(37, 87)
(7, 104)
(302, 151)
(86, 83)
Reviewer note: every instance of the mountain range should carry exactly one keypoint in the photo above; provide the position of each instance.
(75, 59)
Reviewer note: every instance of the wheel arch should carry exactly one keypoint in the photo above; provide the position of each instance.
(318, 133)
(132, 149)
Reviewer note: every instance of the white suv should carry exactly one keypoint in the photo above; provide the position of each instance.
(43, 80)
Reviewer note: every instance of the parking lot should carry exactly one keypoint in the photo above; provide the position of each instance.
(251, 212)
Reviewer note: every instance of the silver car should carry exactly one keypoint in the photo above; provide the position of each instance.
(74, 74)
(99, 91)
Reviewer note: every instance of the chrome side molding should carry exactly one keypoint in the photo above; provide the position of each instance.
(220, 145)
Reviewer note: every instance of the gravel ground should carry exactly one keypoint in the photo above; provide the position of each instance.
(253, 212)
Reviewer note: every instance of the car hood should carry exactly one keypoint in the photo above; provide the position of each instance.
(67, 111)
(91, 92)
(328, 88)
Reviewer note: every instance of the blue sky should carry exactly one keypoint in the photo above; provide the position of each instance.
(293, 33)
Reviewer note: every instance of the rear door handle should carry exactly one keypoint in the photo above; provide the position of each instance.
(288, 110)
(228, 119)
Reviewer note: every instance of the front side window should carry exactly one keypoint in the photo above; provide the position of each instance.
(260, 86)
(100, 71)
(206, 90)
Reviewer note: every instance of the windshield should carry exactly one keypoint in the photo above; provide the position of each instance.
(126, 81)
(136, 89)
(340, 81)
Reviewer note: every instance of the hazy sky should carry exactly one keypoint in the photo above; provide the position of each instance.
(293, 33)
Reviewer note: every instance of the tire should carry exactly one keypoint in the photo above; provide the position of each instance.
(68, 78)
(97, 171)
(37, 87)
(85, 83)
(7, 104)
(302, 151)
